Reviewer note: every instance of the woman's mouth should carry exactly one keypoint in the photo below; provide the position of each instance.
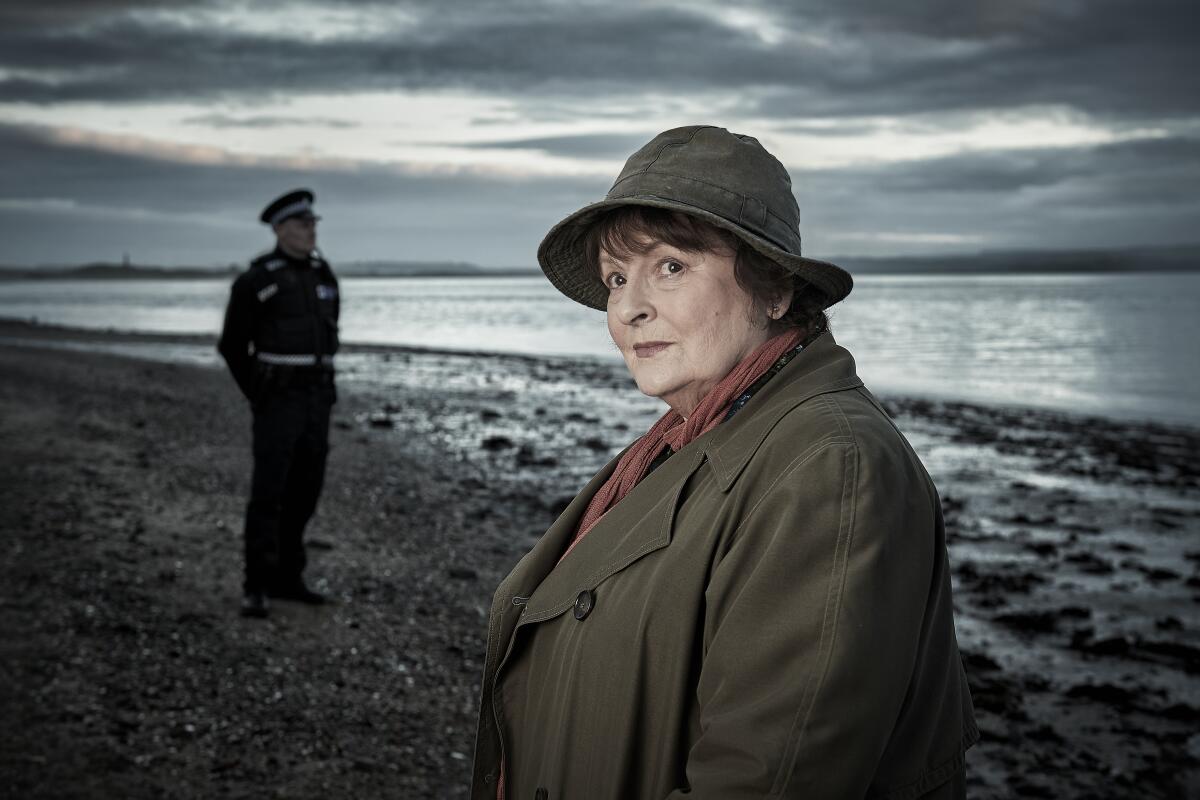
(649, 349)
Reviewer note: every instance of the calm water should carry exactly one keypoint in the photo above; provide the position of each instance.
(1121, 345)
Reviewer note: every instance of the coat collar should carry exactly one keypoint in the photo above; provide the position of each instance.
(822, 367)
(643, 521)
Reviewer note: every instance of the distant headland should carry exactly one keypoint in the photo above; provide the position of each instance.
(360, 269)
(1167, 258)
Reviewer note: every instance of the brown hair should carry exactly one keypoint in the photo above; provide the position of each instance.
(628, 230)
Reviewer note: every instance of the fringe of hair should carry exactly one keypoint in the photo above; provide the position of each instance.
(635, 230)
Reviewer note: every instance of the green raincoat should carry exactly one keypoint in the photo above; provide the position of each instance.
(767, 614)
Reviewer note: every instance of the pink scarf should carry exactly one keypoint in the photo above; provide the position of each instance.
(674, 431)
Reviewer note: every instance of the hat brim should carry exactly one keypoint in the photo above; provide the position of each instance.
(562, 258)
(299, 215)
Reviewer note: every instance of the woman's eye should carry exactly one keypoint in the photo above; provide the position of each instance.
(614, 280)
(672, 268)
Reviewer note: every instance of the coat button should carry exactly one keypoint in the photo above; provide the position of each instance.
(584, 604)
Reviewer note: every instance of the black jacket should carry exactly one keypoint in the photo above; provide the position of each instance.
(282, 311)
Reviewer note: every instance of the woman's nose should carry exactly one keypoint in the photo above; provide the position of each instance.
(633, 306)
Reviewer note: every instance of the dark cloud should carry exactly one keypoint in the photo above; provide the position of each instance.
(1173, 161)
(1107, 57)
(135, 58)
(1104, 57)
(1113, 195)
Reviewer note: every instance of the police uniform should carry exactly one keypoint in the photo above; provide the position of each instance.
(279, 340)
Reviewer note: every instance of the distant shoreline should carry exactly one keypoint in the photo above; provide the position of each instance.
(186, 273)
(27, 333)
(1171, 258)
(15, 330)
(9, 275)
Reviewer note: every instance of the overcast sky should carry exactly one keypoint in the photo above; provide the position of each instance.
(461, 131)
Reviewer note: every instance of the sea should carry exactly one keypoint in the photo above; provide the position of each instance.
(1123, 345)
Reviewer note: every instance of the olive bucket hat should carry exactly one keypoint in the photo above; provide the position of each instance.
(726, 179)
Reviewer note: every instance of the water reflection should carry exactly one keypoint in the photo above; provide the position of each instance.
(1110, 344)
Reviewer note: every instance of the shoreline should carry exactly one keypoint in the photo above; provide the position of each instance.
(1074, 548)
(24, 332)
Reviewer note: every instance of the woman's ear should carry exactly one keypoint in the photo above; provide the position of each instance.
(780, 304)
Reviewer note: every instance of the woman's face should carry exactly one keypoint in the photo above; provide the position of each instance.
(680, 319)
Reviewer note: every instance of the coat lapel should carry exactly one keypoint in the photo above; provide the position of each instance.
(642, 522)
(514, 591)
(638, 525)
(538, 562)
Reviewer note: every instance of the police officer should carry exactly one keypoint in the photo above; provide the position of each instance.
(279, 339)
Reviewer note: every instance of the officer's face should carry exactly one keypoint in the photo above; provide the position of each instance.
(297, 236)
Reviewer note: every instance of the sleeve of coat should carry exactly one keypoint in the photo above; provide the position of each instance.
(236, 333)
(813, 619)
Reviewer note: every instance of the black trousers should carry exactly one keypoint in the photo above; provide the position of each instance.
(291, 441)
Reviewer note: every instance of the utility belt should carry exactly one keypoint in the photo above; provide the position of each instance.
(281, 370)
(295, 360)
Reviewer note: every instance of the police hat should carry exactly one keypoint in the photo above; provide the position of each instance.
(297, 203)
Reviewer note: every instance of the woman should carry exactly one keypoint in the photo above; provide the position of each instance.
(753, 600)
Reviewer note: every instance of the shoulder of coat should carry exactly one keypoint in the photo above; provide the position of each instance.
(257, 275)
(823, 416)
(268, 262)
(847, 416)
(317, 261)
(247, 279)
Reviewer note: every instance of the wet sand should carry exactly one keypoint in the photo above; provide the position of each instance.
(1075, 547)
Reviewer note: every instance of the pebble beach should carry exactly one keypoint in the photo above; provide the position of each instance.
(1074, 545)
